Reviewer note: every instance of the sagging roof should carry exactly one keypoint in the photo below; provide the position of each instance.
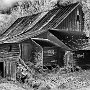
(73, 39)
(31, 26)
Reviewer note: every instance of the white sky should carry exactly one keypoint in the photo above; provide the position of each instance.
(88, 3)
(7, 3)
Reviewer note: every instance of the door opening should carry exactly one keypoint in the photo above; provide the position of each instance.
(2, 69)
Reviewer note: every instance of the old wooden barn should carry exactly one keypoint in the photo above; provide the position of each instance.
(41, 52)
(16, 40)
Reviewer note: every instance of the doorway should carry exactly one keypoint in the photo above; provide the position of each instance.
(26, 51)
(2, 69)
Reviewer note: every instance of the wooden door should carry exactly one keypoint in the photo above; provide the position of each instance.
(8, 69)
(13, 70)
(26, 51)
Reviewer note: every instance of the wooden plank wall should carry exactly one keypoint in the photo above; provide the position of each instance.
(70, 22)
(9, 54)
(37, 55)
(26, 50)
(81, 18)
(13, 71)
(10, 70)
(49, 55)
(9, 50)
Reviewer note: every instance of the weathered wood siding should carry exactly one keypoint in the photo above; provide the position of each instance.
(49, 55)
(53, 55)
(10, 70)
(13, 70)
(26, 53)
(26, 50)
(60, 54)
(81, 19)
(74, 21)
(82, 58)
(9, 54)
(37, 55)
(9, 50)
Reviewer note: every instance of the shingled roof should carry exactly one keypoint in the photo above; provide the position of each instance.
(30, 26)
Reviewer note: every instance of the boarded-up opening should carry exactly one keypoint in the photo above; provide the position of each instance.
(2, 69)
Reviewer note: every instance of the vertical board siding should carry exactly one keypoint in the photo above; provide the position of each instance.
(82, 19)
(74, 20)
(70, 22)
(27, 50)
(37, 55)
(60, 57)
(8, 52)
(8, 72)
(13, 70)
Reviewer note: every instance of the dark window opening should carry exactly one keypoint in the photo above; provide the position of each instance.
(49, 67)
(10, 48)
(78, 18)
(1, 69)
